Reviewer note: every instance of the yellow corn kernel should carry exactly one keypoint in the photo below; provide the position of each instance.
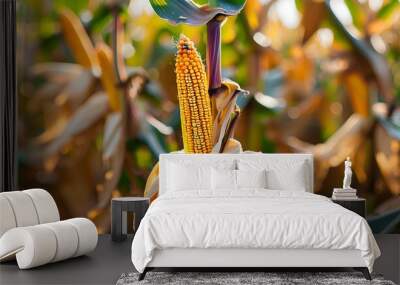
(194, 101)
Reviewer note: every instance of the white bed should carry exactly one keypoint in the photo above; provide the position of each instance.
(248, 227)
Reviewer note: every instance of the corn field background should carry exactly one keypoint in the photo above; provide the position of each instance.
(98, 96)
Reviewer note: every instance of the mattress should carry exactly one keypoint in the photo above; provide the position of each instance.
(250, 219)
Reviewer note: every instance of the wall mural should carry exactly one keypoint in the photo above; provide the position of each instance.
(107, 86)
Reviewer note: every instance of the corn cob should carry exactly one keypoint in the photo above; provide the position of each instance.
(194, 102)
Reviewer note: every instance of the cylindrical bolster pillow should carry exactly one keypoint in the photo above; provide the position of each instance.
(26, 208)
(23, 208)
(33, 246)
(67, 240)
(41, 244)
(7, 219)
(45, 205)
(87, 235)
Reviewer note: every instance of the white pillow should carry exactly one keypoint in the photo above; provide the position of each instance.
(184, 177)
(281, 174)
(251, 178)
(293, 180)
(223, 179)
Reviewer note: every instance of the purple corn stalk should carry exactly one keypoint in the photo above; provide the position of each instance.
(214, 52)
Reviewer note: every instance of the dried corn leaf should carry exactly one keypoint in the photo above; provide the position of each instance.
(49, 90)
(78, 40)
(343, 143)
(306, 108)
(151, 188)
(112, 134)
(153, 197)
(149, 136)
(114, 155)
(387, 155)
(225, 97)
(357, 89)
(321, 167)
(313, 14)
(86, 116)
(362, 159)
(52, 132)
(233, 146)
(160, 126)
(56, 69)
(135, 116)
(138, 120)
(108, 77)
(300, 70)
(224, 104)
(230, 129)
(152, 182)
(72, 89)
(269, 102)
(138, 79)
(78, 89)
(376, 62)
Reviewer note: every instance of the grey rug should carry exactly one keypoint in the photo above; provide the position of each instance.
(269, 278)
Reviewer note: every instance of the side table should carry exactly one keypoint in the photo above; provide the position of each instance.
(357, 205)
(119, 209)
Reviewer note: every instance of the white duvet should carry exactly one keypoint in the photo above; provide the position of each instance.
(254, 218)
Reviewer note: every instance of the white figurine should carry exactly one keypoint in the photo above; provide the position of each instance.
(347, 174)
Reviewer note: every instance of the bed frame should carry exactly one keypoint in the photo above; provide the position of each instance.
(242, 259)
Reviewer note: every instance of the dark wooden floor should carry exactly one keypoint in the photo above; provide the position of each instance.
(110, 260)
(103, 266)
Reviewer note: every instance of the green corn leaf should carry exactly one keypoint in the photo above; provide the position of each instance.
(387, 9)
(189, 12)
(101, 18)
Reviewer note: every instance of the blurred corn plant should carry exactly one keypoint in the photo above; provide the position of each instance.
(95, 103)
(335, 102)
(323, 76)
